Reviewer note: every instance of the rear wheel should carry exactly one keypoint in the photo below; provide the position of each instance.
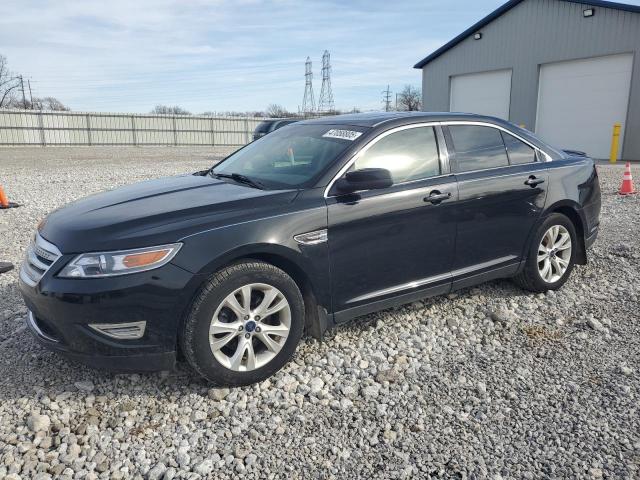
(551, 256)
(244, 325)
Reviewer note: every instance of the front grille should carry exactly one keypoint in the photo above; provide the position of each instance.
(40, 256)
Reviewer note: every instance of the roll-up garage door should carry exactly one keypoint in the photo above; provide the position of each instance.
(486, 93)
(579, 101)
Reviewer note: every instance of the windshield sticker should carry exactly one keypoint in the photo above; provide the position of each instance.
(350, 135)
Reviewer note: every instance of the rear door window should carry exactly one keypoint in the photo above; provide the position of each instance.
(518, 151)
(478, 147)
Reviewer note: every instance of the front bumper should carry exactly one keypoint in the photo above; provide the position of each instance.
(119, 363)
(63, 314)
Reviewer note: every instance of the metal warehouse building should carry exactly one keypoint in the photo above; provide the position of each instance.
(566, 69)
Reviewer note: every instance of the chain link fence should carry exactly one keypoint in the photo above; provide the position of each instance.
(32, 127)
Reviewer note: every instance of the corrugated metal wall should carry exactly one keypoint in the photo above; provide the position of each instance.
(27, 127)
(536, 32)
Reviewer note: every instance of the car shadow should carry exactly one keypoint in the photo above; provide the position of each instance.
(27, 367)
(498, 291)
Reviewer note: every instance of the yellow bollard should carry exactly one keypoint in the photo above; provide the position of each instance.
(615, 138)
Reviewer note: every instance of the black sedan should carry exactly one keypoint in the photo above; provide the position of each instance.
(314, 224)
(269, 126)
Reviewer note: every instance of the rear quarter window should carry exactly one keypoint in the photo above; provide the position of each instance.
(518, 151)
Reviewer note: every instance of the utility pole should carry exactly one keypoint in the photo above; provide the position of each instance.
(386, 99)
(24, 99)
(30, 96)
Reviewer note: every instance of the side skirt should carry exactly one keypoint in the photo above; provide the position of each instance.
(405, 298)
(475, 279)
(377, 305)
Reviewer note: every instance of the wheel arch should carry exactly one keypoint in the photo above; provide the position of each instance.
(572, 211)
(315, 317)
(294, 264)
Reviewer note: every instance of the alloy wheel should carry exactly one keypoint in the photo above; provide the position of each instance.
(554, 253)
(250, 327)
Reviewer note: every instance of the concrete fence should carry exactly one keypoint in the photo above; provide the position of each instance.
(34, 127)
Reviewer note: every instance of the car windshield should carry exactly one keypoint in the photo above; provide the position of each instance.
(291, 157)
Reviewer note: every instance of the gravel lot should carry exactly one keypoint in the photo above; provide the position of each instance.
(489, 382)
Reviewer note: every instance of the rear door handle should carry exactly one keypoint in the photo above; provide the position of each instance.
(436, 197)
(532, 181)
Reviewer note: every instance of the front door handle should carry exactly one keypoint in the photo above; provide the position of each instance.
(532, 181)
(436, 197)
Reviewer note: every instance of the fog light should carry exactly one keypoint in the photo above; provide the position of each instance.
(121, 331)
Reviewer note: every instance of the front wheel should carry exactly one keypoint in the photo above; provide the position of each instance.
(551, 256)
(244, 325)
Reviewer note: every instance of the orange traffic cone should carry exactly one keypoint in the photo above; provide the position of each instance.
(627, 181)
(4, 201)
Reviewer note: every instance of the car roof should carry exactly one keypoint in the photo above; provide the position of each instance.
(374, 119)
(387, 120)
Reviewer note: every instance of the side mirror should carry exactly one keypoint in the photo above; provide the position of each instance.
(364, 179)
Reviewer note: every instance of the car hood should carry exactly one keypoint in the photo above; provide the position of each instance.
(156, 212)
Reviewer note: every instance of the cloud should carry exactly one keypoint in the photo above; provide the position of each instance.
(222, 55)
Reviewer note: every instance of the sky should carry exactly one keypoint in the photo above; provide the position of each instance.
(224, 55)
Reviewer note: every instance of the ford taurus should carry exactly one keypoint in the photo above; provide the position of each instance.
(316, 223)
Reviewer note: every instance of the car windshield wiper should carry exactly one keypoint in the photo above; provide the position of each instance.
(238, 177)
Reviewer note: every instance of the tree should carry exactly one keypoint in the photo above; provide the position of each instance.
(9, 84)
(233, 113)
(48, 103)
(410, 99)
(277, 111)
(166, 110)
(44, 103)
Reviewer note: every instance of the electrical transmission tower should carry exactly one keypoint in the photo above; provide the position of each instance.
(308, 102)
(386, 99)
(325, 103)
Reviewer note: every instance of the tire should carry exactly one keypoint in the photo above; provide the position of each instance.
(534, 276)
(239, 347)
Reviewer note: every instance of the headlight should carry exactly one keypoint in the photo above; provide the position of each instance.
(109, 264)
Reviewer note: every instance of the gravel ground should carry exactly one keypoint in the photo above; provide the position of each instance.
(488, 382)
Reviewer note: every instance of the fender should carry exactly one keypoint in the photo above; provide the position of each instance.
(570, 209)
(565, 205)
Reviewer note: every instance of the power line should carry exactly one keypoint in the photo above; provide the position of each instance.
(308, 102)
(126, 72)
(326, 103)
